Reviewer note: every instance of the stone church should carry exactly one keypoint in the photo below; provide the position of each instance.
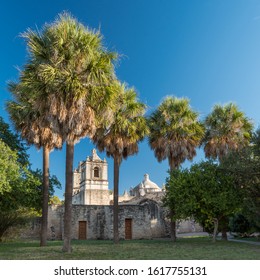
(141, 213)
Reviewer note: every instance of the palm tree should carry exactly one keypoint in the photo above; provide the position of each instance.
(175, 133)
(71, 70)
(120, 137)
(227, 129)
(36, 130)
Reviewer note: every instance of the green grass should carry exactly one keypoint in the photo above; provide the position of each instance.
(199, 248)
(254, 239)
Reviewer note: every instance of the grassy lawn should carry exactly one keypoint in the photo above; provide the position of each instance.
(254, 239)
(198, 248)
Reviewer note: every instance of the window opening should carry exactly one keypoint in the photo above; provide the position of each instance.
(96, 172)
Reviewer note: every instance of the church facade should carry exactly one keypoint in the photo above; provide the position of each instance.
(141, 212)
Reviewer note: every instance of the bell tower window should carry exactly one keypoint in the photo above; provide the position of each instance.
(96, 172)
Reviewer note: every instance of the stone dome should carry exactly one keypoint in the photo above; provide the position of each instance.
(144, 187)
(148, 184)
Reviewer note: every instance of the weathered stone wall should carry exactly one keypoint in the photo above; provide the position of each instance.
(92, 197)
(55, 222)
(185, 226)
(96, 197)
(147, 221)
(29, 230)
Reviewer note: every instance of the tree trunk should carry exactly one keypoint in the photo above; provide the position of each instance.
(215, 220)
(68, 198)
(224, 234)
(45, 184)
(115, 206)
(224, 228)
(173, 226)
(172, 211)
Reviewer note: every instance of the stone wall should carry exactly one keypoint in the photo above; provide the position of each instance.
(92, 197)
(55, 222)
(147, 221)
(96, 197)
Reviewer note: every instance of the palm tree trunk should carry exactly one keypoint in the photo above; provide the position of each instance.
(172, 211)
(224, 222)
(44, 223)
(68, 198)
(115, 207)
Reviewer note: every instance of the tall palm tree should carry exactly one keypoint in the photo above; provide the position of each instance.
(120, 137)
(71, 70)
(227, 129)
(175, 133)
(35, 129)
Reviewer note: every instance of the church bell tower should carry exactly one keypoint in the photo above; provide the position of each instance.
(90, 181)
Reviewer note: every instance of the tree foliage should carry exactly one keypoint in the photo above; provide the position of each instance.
(175, 131)
(227, 129)
(120, 136)
(245, 167)
(202, 192)
(14, 141)
(17, 188)
(67, 74)
(20, 187)
(9, 169)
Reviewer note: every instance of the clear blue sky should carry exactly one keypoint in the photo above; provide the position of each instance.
(206, 50)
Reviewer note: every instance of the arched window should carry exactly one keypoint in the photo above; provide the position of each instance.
(96, 172)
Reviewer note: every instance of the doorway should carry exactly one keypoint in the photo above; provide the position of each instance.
(128, 229)
(82, 230)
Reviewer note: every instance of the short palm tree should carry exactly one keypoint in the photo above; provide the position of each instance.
(71, 70)
(36, 130)
(227, 128)
(120, 137)
(175, 133)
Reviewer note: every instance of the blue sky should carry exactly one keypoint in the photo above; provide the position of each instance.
(206, 50)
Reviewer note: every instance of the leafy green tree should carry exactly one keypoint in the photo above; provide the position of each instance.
(69, 70)
(175, 133)
(17, 189)
(55, 200)
(179, 195)
(14, 142)
(21, 188)
(203, 192)
(8, 167)
(120, 137)
(244, 165)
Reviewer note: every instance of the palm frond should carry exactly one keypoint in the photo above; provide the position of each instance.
(175, 131)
